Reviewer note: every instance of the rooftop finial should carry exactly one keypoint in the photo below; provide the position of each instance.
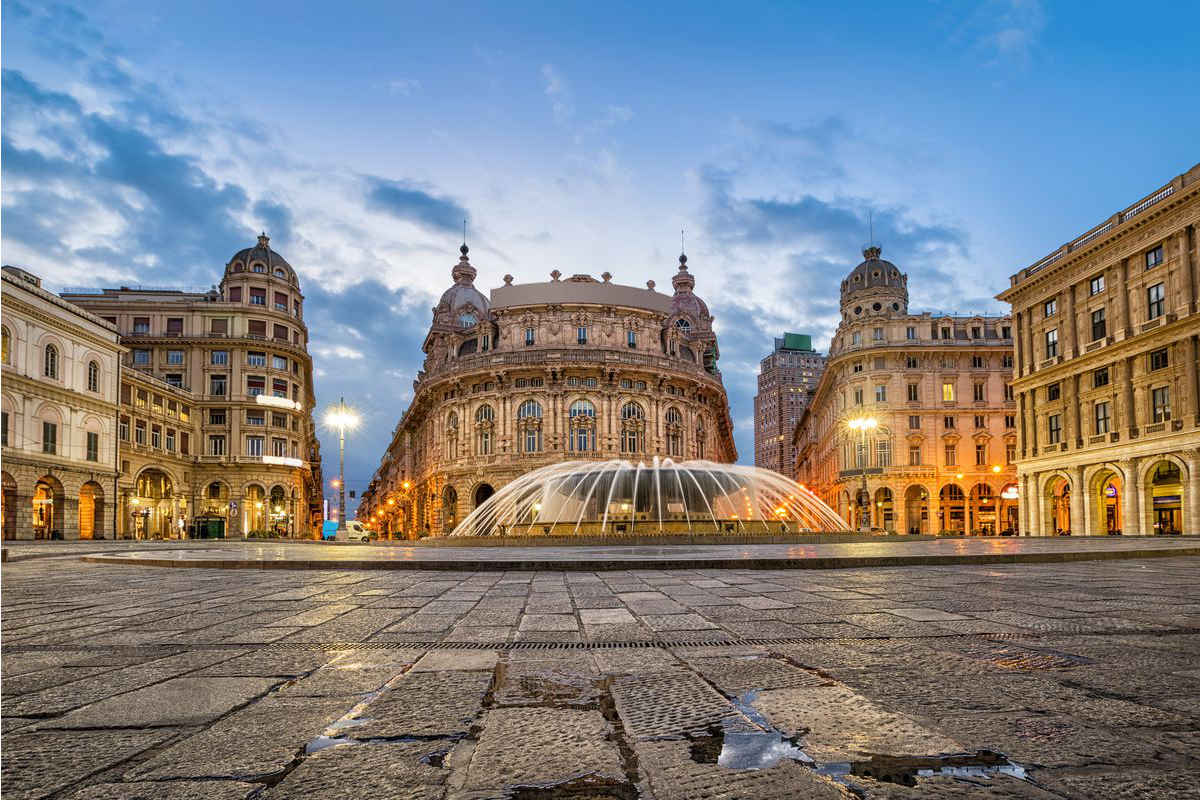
(464, 249)
(682, 253)
(263, 239)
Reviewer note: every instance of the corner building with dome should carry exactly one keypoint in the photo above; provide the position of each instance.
(574, 368)
(215, 431)
(938, 387)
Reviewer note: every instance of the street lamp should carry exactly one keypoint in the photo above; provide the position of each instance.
(344, 419)
(862, 425)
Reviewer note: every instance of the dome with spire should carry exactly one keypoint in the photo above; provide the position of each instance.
(685, 301)
(261, 258)
(875, 285)
(462, 298)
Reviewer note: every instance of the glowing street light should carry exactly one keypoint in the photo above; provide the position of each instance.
(862, 425)
(343, 419)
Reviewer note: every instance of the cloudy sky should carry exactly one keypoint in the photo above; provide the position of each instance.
(145, 142)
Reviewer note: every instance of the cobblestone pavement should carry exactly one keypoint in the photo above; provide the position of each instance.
(1075, 680)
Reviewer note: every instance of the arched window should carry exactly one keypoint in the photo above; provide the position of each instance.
(484, 416)
(452, 422)
(5, 344)
(50, 365)
(279, 273)
(529, 422)
(259, 267)
(582, 436)
(467, 319)
(674, 432)
(93, 378)
(683, 324)
(633, 421)
(529, 409)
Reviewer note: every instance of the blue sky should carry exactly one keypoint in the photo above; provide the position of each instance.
(146, 142)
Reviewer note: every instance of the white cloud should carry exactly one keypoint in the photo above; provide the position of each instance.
(337, 351)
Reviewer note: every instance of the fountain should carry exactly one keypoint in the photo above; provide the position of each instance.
(619, 497)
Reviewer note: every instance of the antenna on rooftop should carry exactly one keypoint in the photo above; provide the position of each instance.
(464, 231)
(871, 222)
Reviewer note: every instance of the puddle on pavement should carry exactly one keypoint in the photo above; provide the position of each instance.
(740, 749)
(322, 742)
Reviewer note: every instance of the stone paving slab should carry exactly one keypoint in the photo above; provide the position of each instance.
(1083, 673)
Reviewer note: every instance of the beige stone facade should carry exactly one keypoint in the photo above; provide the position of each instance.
(941, 457)
(215, 426)
(60, 367)
(1108, 339)
(786, 380)
(571, 368)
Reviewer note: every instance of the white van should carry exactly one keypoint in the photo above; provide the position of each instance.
(354, 531)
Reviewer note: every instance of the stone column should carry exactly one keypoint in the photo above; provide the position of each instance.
(1023, 434)
(1071, 348)
(1191, 510)
(1031, 397)
(1018, 348)
(1187, 285)
(69, 524)
(23, 514)
(1131, 524)
(1079, 520)
(933, 525)
(1034, 499)
(1024, 516)
(1073, 420)
(1191, 394)
(1128, 410)
(1126, 311)
(1029, 349)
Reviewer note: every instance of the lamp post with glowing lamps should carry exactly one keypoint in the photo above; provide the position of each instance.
(343, 419)
(862, 425)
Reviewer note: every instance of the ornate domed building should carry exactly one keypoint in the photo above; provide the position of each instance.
(215, 426)
(571, 368)
(935, 390)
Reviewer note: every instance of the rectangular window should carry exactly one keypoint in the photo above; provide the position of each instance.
(175, 379)
(947, 391)
(979, 392)
(254, 446)
(910, 332)
(279, 388)
(156, 437)
(258, 328)
(856, 338)
(529, 337)
(980, 421)
(141, 357)
(1155, 302)
(279, 447)
(1010, 421)
(914, 456)
(279, 362)
(184, 442)
(631, 338)
(581, 334)
(123, 429)
(911, 362)
(255, 418)
(216, 385)
(947, 333)
(256, 359)
(877, 334)
(1099, 327)
(281, 302)
(977, 362)
(174, 326)
(1006, 332)
(1096, 285)
(914, 392)
(143, 398)
(948, 423)
(1052, 343)
(255, 385)
(981, 458)
(235, 294)
(258, 297)
(858, 367)
(1010, 453)
(174, 356)
(883, 453)
(1053, 392)
(93, 446)
(218, 326)
(881, 363)
(1160, 398)
(1100, 418)
(858, 397)
(296, 308)
(216, 416)
(1054, 428)
(914, 422)
(139, 432)
(1008, 393)
(881, 394)
(950, 455)
(1154, 257)
(1050, 307)
(216, 445)
(183, 413)
(219, 358)
(281, 333)
(1006, 361)
(4, 428)
(1158, 359)
(170, 440)
(49, 437)
(141, 324)
(279, 420)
